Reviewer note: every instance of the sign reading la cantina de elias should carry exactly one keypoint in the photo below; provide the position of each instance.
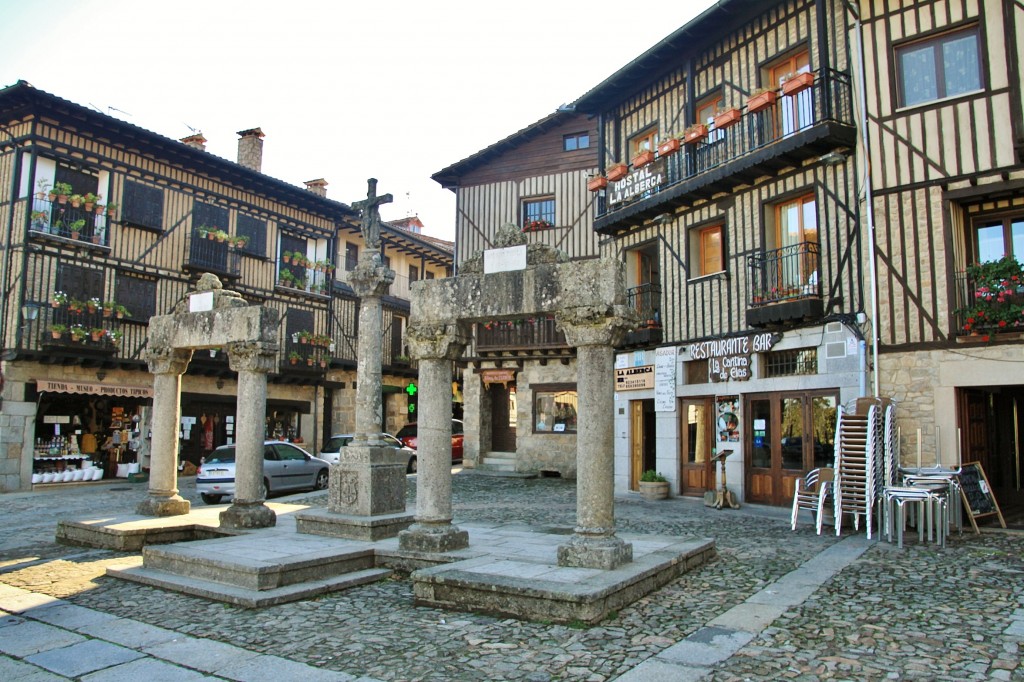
(730, 358)
(650, 177)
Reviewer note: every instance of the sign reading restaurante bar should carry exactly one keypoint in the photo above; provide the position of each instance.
(729, 359)
(646, 179)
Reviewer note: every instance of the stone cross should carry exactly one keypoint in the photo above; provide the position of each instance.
(371, 214)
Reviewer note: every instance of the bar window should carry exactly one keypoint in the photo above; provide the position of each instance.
(944, 66)
(554, 409)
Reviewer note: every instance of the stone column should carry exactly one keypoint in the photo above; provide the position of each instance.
(436, 346)
(370, 280)
(252, 360)
(167, 366)
(594, 544)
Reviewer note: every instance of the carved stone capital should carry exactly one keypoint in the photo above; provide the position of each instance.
(596, 325)
(252, 356)
(439, 341)
(370, 277)
(166, 360)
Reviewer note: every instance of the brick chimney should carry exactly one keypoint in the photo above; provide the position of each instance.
(196, 141)
(250, 148)
(317, 187)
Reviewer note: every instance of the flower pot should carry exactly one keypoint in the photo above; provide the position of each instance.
(654, 490)
(88, 206)
(798, 83)
(56, 334)
(97, 336)
(727, 118)
(695, 134)
(761, 100)
(597, 183)
(74, 235)
(643, 158)
(668, 147)
(616, 172)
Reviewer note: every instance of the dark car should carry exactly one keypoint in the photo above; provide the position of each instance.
(407, 434)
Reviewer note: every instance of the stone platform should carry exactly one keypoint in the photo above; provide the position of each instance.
(508, 569)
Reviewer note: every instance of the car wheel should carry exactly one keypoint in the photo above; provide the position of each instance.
(323, 479)
(413, 467)
(265, 492)
(210, 499)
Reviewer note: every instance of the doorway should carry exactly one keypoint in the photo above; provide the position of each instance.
(787, 435)
(697, 427)
(990, 433)
(503, 417)
(642, 440)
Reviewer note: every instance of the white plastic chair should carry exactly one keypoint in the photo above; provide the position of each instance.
(811, 493)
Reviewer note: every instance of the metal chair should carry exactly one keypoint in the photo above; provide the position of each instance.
(811, 493)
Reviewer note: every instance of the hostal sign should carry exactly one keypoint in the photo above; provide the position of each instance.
(646, 179)
(730, 358)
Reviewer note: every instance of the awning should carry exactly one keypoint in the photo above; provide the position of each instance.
(46, 386)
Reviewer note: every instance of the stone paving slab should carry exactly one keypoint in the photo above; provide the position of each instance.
(83, 658)
(130, 633)
(29, 637)
(147, 669)
(206, 655)
(11, 669)
(264, 668)
(70, 616)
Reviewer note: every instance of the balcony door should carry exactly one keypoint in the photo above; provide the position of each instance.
(795, 111)
(796, 227)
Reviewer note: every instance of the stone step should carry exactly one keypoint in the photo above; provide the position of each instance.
(241, 596)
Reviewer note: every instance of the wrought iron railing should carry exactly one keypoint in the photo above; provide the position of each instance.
(211, 255)
(782, 274)
(829, 98)
(984, 311)
(646, 300)
(51, 218)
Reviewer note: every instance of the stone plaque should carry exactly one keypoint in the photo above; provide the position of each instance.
(505, 260)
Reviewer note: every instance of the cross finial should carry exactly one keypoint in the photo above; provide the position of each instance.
(371, 214)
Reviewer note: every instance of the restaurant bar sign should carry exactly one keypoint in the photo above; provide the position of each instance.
(729, 359)
(45, 386)
(642, 180)
(634, 378)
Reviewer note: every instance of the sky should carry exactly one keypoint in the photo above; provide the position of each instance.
(343, 90)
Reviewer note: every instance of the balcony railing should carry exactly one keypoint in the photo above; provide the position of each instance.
(985, 311)
(209, 255)
(794, 126)
(520, 334)
(790, 276)
(53, 219)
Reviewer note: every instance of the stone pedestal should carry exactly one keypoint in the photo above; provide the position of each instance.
(248, 514)
(436, 538)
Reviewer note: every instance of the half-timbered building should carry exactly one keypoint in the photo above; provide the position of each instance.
(107, 224)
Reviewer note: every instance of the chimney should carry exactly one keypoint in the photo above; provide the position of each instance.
(196, 141)
(317, 187)
(250, 149)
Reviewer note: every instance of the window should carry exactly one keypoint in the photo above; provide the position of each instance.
(351, 256)
(414, 273)
(208, 215)
(795, 111)
(644, 292)
(428, 274)
(575, 141)
(645, 141)
(80, 282)
(293, 244)
(995, 237)
(795, 262)
(943, 66)
(138, 295)
(142, 206)
(706, 110)
(256, 230)
(538, 213)
(554, 408)
(707, 253)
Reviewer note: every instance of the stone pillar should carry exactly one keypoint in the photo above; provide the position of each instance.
(252, 360)
(436, 346)
(370, 280)
(167, 366)
(594, 544)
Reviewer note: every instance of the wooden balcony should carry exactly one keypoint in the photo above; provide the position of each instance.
(793, 129)
(524, 337)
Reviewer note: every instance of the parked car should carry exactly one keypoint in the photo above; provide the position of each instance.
(331, 451)
(285, 467)
(407, 435)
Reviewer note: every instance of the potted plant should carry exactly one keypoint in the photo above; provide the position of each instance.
(100, 209)
(108, 308)
(305, 335)
(75, 306)
(286, 256)
(653, 486)
(76, 227)
(294, 357)
(42, 188)
(39, 220)
(998, 304)
(89, 200)
(115, 336)
(669, 145)
(220, 235)
(794, 84)
(616, 171)
(120, 311)
(761, 99)
(597, 182)
(97, 333)
(57, 330)
(78, 333)
(93, 304)
(727, 118)
(695, 133)
(76, 200)
(58, 299)
(111, 209)
(642, 158)
(63, 191)
(241, 241)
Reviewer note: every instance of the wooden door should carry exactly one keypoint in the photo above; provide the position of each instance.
(696, 446)
(503, 419)
(636, 443)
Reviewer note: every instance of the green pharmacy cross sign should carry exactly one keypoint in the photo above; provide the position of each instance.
(411, 391)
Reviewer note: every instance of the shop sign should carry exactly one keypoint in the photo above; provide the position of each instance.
(729, 359)
(497, 376)
(646, 179)
(46, 386)
(634, 378)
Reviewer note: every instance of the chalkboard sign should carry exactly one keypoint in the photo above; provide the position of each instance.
(978, 498)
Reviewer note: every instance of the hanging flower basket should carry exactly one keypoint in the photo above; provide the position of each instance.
(597, 183)
(761, 100)
(797, 83)
(616, 171)
(695, 133)
(643, 158)
(727, 118)
(668, 147)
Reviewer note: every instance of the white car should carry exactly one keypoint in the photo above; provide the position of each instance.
(285, 467)
(331, 450)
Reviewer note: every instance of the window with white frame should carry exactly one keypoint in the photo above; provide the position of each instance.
(941, 66)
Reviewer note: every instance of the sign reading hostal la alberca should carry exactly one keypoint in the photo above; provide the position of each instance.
(645, 179)
(634, 378)
(729, 359)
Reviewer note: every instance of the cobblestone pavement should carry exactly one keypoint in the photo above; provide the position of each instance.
(920, 613)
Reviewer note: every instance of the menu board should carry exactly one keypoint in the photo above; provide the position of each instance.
(977, 495)
(665, 379)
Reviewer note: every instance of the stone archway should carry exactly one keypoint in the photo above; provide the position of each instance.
(587, 299)
(212, 317)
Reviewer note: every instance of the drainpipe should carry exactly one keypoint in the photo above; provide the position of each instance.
(868, 197)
